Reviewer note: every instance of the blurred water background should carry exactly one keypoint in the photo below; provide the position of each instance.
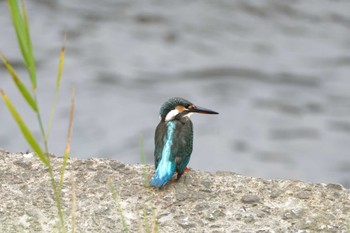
(276, 71)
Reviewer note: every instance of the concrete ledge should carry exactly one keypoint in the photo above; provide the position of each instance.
(199, 202)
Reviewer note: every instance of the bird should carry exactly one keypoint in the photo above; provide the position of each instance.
(174, 139)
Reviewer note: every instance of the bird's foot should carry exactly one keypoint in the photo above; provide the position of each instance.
(187, 169)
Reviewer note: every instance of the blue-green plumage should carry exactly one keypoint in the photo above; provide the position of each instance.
(174, 139)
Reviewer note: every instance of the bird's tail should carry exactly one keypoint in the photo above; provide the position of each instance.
(163, 173)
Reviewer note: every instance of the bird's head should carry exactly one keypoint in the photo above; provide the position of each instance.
(177, 107)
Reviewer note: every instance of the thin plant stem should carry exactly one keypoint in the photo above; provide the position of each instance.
(42, 130)
(143, 162)
(117, 203)
(69, 137)
(58, 84)
(147, 184)
(58, 201)
(74, 203)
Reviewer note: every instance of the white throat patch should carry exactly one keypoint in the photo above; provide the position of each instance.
(171, 115)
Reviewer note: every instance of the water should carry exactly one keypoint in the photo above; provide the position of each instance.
(276, 71)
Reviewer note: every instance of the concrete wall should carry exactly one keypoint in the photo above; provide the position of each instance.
(199, 202)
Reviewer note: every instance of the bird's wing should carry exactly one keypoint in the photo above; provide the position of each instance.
(159, 142)
(182, 148)
(165, 163)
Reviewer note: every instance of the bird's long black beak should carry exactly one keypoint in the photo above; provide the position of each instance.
(202, 110)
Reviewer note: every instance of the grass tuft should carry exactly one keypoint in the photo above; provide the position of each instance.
(21, 26)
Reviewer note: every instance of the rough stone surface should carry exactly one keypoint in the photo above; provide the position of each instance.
(199, 202)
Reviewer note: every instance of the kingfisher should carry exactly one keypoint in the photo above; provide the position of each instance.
(174, 139)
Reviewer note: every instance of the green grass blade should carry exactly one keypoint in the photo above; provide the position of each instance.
(31, 61)
(22, 31)
(27, 96)
(18, 24)
(69, 137)
(25, 130)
